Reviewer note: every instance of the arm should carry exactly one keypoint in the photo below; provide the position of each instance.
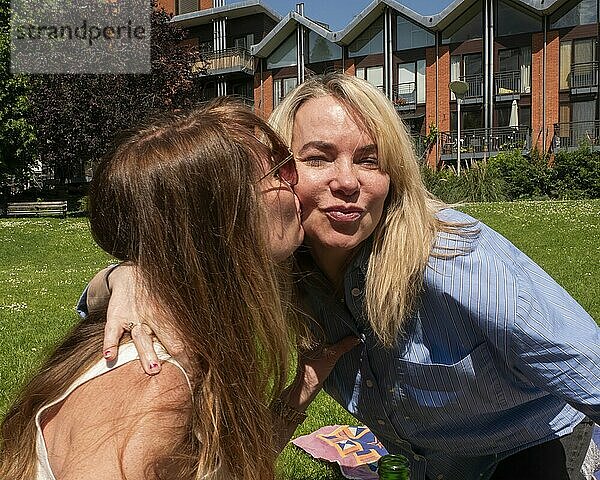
(313, 370)
(556, 344)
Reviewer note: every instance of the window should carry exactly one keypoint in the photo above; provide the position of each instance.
(373, 75)
(409, 35)
(284, 55)
(186, 6)
(511, 21)
(471, 119)
(467, 27)
(584, 13)
(514, 71)
(321, 49)
(578, 68)
(282, 87)
(467, 68)
(244, 42)
(503, 115)
(368, 42)
(411, 83)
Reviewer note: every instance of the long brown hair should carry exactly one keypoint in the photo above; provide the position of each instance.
(178, 199)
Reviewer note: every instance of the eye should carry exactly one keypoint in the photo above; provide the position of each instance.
(314, 161)
(369, 162)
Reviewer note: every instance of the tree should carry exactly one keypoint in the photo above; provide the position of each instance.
(77, 116)
(16, 133)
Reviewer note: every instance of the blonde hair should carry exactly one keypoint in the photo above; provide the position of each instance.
(404, 238)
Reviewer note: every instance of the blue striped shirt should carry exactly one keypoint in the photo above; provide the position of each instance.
(497, 358)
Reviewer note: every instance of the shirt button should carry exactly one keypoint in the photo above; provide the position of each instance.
(341, 300)
(380, 421)
(440, 477)
(355, 292)
(418, 457)
(369, 383)
(406, 417)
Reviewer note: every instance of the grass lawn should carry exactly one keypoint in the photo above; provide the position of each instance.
(45, 263)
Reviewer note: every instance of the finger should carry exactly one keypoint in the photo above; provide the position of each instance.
(171, 342)
(334, 352)
(142, 339)
(112, 336)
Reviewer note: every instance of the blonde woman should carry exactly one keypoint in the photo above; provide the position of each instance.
(202, 204)
(473, 362)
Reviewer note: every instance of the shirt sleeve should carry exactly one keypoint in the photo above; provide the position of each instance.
(555, 343)
(82, 308)
(82, 304)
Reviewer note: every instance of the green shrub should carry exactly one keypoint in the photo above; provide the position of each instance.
(477, 183)
(576, 174)
(523, 177)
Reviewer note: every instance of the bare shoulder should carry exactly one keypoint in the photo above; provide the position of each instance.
(119, 424)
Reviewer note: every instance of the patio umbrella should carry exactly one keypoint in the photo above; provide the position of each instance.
(514, 115)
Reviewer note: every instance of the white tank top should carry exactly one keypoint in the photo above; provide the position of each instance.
(127, 353)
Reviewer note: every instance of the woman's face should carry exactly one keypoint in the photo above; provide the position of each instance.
(282, 209)
(340, 185)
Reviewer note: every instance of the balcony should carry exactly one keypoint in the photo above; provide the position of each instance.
(508, 85)
(570, 136)
(229, 60)
(584, 77)
(473, 144)
(404, 95)
(475, 92)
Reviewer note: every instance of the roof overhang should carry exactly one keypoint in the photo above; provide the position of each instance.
(234, 10)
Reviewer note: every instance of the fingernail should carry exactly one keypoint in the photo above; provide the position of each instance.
(107, 353)
(154, 366)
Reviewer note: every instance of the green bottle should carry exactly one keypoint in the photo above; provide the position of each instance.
(393, 467)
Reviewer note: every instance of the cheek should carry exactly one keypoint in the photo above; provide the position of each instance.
(307, 188)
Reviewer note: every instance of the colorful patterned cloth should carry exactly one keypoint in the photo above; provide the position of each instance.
(356, 450)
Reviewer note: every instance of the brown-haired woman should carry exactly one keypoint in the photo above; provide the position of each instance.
(186, 199)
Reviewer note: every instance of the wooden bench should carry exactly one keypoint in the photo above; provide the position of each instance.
(37, 209)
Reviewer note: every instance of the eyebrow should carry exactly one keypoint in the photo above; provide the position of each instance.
(366, 150)
(329, 147)
(319, 145)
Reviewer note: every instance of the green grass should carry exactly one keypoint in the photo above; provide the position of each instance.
(45, 263)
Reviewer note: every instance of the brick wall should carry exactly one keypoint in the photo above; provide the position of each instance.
(350, 68)
(263, 94)
(168, 5)
(537, 87)
(205, 4)
(437, 101)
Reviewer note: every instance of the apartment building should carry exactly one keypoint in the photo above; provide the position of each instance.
(531, 66)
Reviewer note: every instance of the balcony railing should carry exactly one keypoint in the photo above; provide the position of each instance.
(229, 60)
(584, 75)
(474, 140)
(475, 83)
(509, 83)
(404, 94)
(576, 134)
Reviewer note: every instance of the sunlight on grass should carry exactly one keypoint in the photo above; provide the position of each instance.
(45, 264)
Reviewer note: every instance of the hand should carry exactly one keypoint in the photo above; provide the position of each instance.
(314, 367)
(130, 309)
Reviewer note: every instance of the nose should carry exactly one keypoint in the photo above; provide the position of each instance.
(345, 180)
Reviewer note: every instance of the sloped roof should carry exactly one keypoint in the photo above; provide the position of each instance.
(283, 30)
(370, 13)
